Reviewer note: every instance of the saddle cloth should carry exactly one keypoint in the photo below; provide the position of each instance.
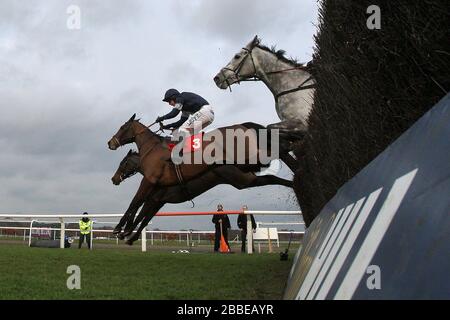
(191, 144)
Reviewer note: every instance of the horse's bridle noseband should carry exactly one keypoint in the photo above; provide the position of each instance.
(126, 175)
(238, 68)
(133, 139)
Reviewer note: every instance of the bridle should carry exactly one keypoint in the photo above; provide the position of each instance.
(262, 75)
(127, 173)
(126, 176)
(238, 68)
(142, 156)
(133, 139)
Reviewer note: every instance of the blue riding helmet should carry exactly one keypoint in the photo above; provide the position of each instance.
(170, 94)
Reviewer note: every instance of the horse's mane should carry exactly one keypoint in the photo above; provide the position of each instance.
(281, 55)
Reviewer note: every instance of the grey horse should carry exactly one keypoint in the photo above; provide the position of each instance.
(291, 83)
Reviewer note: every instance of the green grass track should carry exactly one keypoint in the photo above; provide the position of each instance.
(38, 273)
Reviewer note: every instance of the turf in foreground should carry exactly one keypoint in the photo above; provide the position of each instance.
(36, 273)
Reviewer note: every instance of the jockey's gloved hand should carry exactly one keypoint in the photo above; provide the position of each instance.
(159, 119)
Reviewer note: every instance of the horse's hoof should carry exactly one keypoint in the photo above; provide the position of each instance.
(116, 231)
(127, 233)
(129, 242)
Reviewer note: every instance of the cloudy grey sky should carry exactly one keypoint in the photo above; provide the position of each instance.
(64, 93)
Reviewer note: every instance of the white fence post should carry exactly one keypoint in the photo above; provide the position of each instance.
(249, 235)
(92, 234)
(29, 238)
(144, 240)
(63, 233)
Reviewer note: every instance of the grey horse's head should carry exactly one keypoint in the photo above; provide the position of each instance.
(241, 67)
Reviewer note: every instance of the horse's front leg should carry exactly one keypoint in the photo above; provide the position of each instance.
(148, 211)
(131, 212)
(144, 190)
(290, 161)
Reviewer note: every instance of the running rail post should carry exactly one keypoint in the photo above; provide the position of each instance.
(63, 233)
(144, 239)
(249, 234)
(92, 234)
(29, 237)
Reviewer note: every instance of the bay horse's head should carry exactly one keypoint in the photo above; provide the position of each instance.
(240, 68)
(128, 167)
(126, 134)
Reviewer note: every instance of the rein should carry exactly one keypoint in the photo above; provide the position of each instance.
(143, 130)
(239, 67)
(300, 87)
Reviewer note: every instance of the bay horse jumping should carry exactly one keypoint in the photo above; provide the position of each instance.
(156, 156)
(159, 196)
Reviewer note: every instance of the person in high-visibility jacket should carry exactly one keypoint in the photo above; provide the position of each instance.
(85, 231)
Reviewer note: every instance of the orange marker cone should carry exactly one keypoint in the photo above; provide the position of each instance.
(223, 245)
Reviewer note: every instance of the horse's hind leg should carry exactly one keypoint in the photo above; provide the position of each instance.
(292, 133)
(290, 161)
(290, 129)
(268, 180)
(241, 180)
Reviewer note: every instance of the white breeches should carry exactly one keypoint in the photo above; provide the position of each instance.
(201, 119)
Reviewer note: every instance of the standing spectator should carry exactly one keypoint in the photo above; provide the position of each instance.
(218, 219)
(242, 224)
(85, 231)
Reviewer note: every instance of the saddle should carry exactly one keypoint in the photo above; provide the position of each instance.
(191, 144)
